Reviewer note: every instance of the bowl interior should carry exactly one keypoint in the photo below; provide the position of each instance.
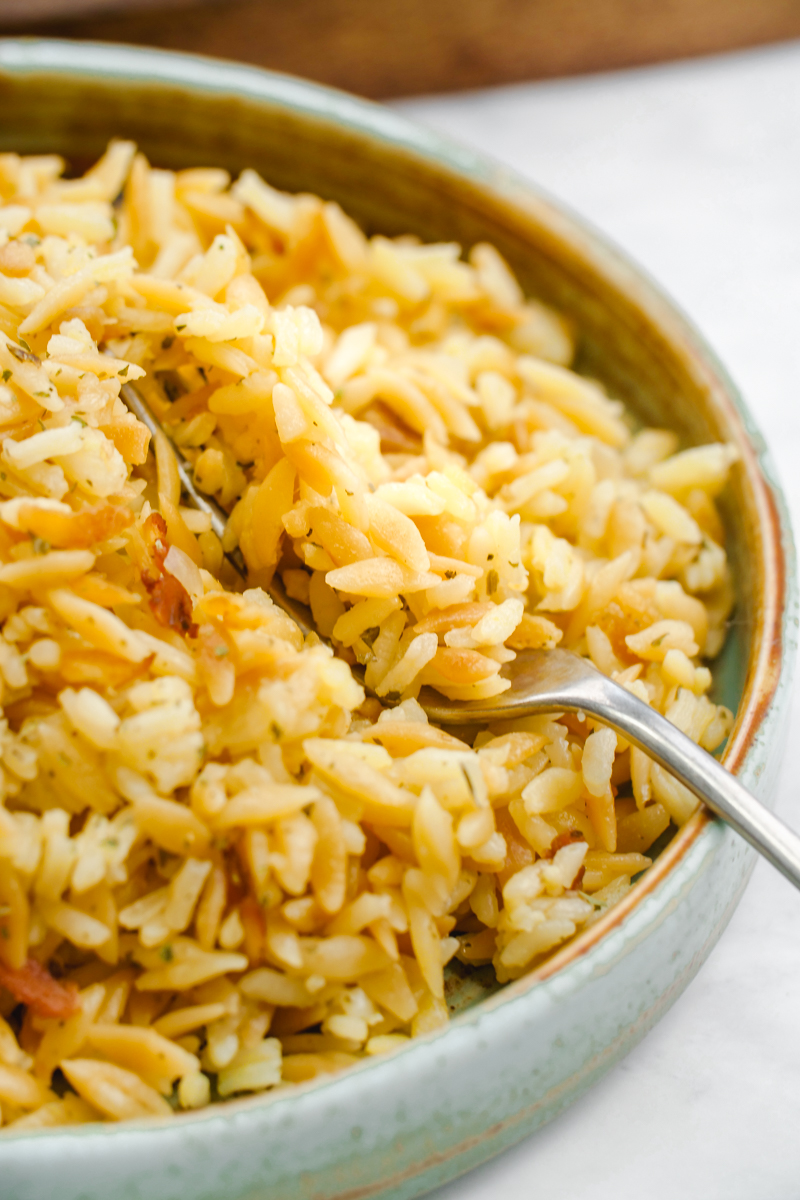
(186, 112)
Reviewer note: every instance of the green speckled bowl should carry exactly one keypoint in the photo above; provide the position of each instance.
(512, 1058)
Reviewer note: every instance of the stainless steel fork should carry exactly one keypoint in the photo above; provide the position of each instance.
(546, 681)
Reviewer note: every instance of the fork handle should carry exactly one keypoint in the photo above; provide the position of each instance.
(553, 681)
(696, 768)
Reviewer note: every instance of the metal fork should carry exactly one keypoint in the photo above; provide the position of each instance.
(547, 681)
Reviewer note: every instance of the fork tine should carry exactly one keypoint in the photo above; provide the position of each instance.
(136, 404)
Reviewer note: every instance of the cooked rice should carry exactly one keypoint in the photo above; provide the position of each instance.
(222, 868)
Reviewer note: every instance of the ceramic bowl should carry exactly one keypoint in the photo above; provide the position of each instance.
(511, 1058)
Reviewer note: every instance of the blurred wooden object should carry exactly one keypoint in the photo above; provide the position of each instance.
(385, 48)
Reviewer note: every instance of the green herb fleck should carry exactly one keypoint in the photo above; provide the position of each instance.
(276, 730)
(165, 953)
(40, 546)
(6, 375)
(492, 582)
(449, 574)
(167, 342)
(221, 651)
(124, 370)
(23, 355)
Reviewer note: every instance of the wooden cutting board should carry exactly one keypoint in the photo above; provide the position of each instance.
(384, 48)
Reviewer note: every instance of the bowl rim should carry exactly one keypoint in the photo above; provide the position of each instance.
(771, 659)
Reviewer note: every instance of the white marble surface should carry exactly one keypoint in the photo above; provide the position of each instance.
(695, 170)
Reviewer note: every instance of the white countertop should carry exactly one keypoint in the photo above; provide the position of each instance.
(694, 169)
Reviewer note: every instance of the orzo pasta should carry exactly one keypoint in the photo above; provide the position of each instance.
(224, 869)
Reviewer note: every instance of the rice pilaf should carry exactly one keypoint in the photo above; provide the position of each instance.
(223, 867)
